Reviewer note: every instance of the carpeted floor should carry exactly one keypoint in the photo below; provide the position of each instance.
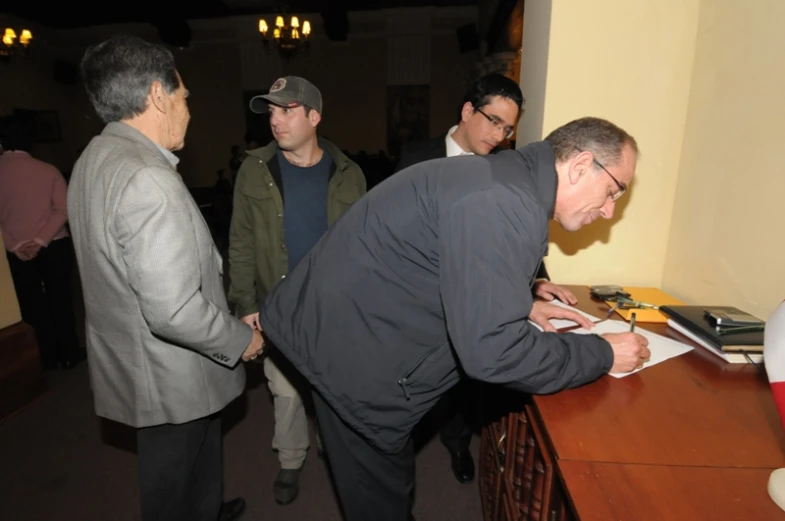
(59, 462)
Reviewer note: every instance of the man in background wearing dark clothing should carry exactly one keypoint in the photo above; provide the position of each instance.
(432, 271)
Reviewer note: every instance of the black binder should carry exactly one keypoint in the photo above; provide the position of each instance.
(694, 319)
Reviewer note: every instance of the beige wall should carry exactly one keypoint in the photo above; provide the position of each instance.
(726, 243)
(9, 306)
(631, 63)
(700, 84)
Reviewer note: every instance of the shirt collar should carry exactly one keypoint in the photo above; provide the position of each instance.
(17, 153)
(168, 155)
(453, 149)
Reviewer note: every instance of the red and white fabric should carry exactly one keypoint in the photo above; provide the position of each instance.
(774, 356)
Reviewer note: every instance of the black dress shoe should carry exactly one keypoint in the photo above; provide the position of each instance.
(69, 364)
(462, 465)
(232, 510)
(74, 360)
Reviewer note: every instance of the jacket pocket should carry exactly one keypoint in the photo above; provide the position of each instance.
(263, 207)
(410, 375)
(259, 192)
(256, 190)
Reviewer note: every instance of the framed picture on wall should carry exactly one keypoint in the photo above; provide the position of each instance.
(45, 124)
(408, 115)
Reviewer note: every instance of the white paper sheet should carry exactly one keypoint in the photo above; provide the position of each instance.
(560, 323)
(662, 348)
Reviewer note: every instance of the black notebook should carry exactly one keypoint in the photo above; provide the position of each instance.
(694, 319)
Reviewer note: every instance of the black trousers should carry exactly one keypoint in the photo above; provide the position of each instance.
(43, 288)
(180, 470)
(371, 485)
(452, 411)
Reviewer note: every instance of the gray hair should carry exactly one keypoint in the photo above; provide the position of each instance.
(604, 139)
(118, 73)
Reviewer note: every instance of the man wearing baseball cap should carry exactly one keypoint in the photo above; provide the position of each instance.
(286, 196)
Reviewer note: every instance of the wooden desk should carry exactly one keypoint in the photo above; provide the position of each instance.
(21, 375)
(659, 492)
(694, 416)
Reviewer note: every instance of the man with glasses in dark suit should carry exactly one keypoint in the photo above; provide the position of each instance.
(488, 117)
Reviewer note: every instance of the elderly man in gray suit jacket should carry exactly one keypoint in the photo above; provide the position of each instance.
(164, 352)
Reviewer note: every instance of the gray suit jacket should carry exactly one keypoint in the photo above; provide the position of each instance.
(162, 346)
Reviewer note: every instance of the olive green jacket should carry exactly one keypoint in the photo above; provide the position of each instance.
(257, 251)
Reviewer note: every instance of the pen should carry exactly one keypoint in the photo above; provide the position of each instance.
(632, 322)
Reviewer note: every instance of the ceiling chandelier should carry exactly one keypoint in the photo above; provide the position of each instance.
(13, 44)
(287, 37)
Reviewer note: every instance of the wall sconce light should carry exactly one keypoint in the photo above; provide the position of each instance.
(14, 44)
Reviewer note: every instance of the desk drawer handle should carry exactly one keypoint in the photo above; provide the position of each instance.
(499, 443)
(500, 451)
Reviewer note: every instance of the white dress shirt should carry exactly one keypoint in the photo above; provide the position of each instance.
(453, 149)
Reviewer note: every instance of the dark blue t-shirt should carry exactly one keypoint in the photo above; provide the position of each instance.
(305, 205)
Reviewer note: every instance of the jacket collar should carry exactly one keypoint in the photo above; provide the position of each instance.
(119, 129)
(267, 152)
(541, 162)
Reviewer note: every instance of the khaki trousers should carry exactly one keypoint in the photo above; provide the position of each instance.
(291, 438)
